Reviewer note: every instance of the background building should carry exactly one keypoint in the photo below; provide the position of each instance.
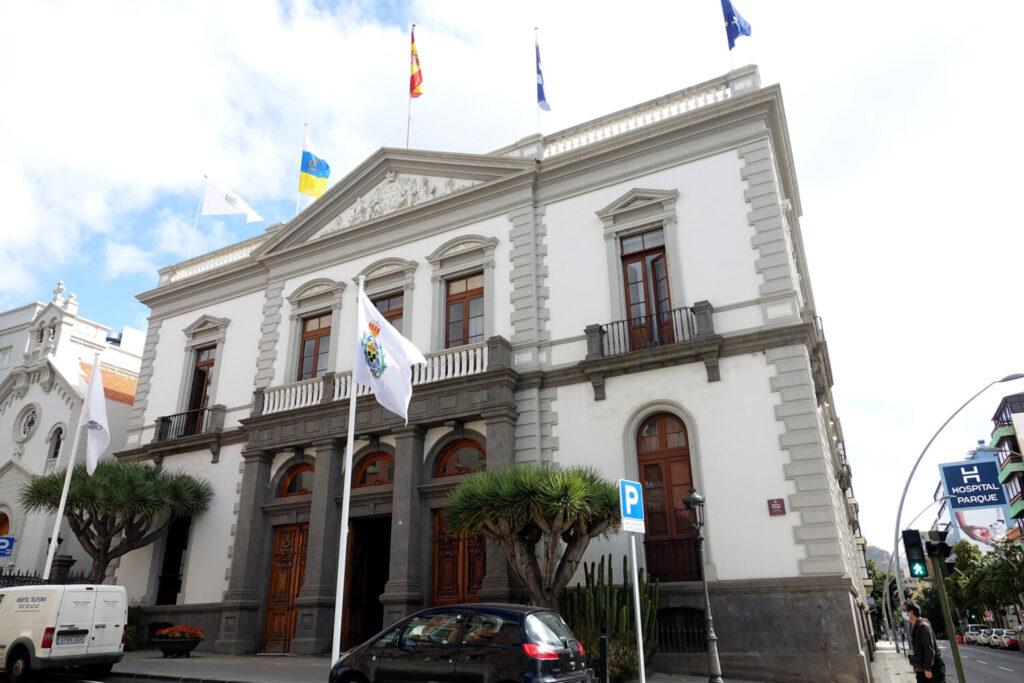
(630, 294)
(46, 356)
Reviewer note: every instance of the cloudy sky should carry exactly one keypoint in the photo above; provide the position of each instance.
(902, 116)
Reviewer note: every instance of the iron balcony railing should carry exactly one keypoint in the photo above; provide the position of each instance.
(184, 424)
(648, 331)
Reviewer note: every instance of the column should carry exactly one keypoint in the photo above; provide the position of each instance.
(240, 626)
(314, 605)
(403, 593)
(501, 450)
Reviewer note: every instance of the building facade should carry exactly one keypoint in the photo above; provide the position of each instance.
(1008, 419)
(46, 356)
(629, 294)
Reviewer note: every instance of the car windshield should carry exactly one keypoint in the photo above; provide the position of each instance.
(548, 628)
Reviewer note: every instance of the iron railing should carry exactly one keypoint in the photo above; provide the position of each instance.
(177, 426)
(648, 331)
(673, 559)
(682, 629)
(26, 578)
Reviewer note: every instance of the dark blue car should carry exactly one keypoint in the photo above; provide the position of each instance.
(475, 643)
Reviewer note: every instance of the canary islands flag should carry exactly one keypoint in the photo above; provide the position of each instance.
(416, 76)
(314, 171)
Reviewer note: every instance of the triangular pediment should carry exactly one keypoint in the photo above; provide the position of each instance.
(206, 323)
(637, 203)
(390, 183)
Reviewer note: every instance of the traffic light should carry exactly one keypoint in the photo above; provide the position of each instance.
(915, 553)
(936, 545)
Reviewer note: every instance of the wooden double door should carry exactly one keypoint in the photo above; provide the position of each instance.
(460, 563)
(287, 572)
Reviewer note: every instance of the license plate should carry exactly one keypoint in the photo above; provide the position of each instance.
(70, 640)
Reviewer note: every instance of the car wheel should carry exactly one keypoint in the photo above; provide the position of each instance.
(19, 666)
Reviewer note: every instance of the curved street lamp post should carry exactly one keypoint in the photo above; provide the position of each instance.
(695, 502)
(899, 512)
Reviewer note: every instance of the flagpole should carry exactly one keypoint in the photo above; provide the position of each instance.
(538, 103)
(339, 599)
(408, 120)
(67, 485)
(298, 195)
(195, 223)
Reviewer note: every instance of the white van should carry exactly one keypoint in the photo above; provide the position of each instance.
(49, 627)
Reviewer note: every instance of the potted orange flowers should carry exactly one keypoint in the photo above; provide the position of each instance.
(177, 641)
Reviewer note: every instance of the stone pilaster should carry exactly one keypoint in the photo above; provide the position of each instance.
(404, 591)
(314, 604)
(241, 625)
(501, 445)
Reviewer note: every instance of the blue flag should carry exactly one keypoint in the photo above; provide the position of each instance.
(735, 25)
(542, 101)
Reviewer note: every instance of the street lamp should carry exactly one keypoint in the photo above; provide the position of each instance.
(899, 512)
(695, 502)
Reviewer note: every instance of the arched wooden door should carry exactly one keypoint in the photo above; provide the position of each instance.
(287, 572)
(663, 455)
(460, 560)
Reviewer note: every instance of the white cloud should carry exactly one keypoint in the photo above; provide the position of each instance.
(122, 259)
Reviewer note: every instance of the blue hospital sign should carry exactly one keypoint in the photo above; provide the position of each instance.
(973, 484)
(6, 545)
(631, 505)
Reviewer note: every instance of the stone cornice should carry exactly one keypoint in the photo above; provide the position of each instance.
(212, 441)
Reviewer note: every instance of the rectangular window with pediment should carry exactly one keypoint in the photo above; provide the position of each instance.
(314, 347)
(391, 307)
(465, 310)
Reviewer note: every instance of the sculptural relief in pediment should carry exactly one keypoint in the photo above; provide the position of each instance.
(397, 191)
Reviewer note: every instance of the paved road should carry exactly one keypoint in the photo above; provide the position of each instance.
(984, 665)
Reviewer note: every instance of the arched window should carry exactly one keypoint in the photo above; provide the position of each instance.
(375, 470)
(462, 457)
(663, 455)
(298, 482)
(5, 524)
(56, 439)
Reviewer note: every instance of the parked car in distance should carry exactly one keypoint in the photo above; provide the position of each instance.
(1011, 639)
(983, 637)
(479, 642)
(996, 638)
(972, 633)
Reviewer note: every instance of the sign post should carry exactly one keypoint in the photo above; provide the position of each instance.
(6, 546)
(631, 505)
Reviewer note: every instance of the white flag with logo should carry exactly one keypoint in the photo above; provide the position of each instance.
(383, 358)
(220, 201)
(94, 418)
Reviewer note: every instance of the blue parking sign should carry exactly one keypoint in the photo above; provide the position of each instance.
(631, 505)
(6, 545)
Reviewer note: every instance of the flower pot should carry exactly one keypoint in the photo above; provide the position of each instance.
(177, 647)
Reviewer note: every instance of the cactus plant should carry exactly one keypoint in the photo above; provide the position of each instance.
(601, 604)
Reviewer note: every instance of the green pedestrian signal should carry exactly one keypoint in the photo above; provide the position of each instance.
(916, 560)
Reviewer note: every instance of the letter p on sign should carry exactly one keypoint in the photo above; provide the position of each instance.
(631, 505)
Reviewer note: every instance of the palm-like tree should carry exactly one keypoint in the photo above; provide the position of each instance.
(121, 507)
(543, 517)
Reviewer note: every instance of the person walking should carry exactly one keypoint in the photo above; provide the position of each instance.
(926, 660)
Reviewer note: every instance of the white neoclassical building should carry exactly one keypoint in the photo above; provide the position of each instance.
(629, 294)
(46, 356)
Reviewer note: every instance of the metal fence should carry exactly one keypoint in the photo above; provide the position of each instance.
(188, 423)
(19, 578)
(681, 629)
(648, 331)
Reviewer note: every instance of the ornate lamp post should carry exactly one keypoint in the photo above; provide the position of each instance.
(695, 502)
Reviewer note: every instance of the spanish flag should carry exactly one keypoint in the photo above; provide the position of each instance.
(416, 77)
(314, 171)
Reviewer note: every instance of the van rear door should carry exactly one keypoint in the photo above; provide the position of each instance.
(108, 620)
(74, 621)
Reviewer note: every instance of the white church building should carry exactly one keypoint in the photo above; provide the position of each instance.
(629, 294)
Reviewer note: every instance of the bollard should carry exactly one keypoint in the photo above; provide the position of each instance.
(603, 649)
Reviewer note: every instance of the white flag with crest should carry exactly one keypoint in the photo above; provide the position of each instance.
(220, 201)
(383, 358)
(94, 417)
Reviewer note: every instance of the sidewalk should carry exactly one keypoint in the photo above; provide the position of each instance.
(206, 667)
(890, 666)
